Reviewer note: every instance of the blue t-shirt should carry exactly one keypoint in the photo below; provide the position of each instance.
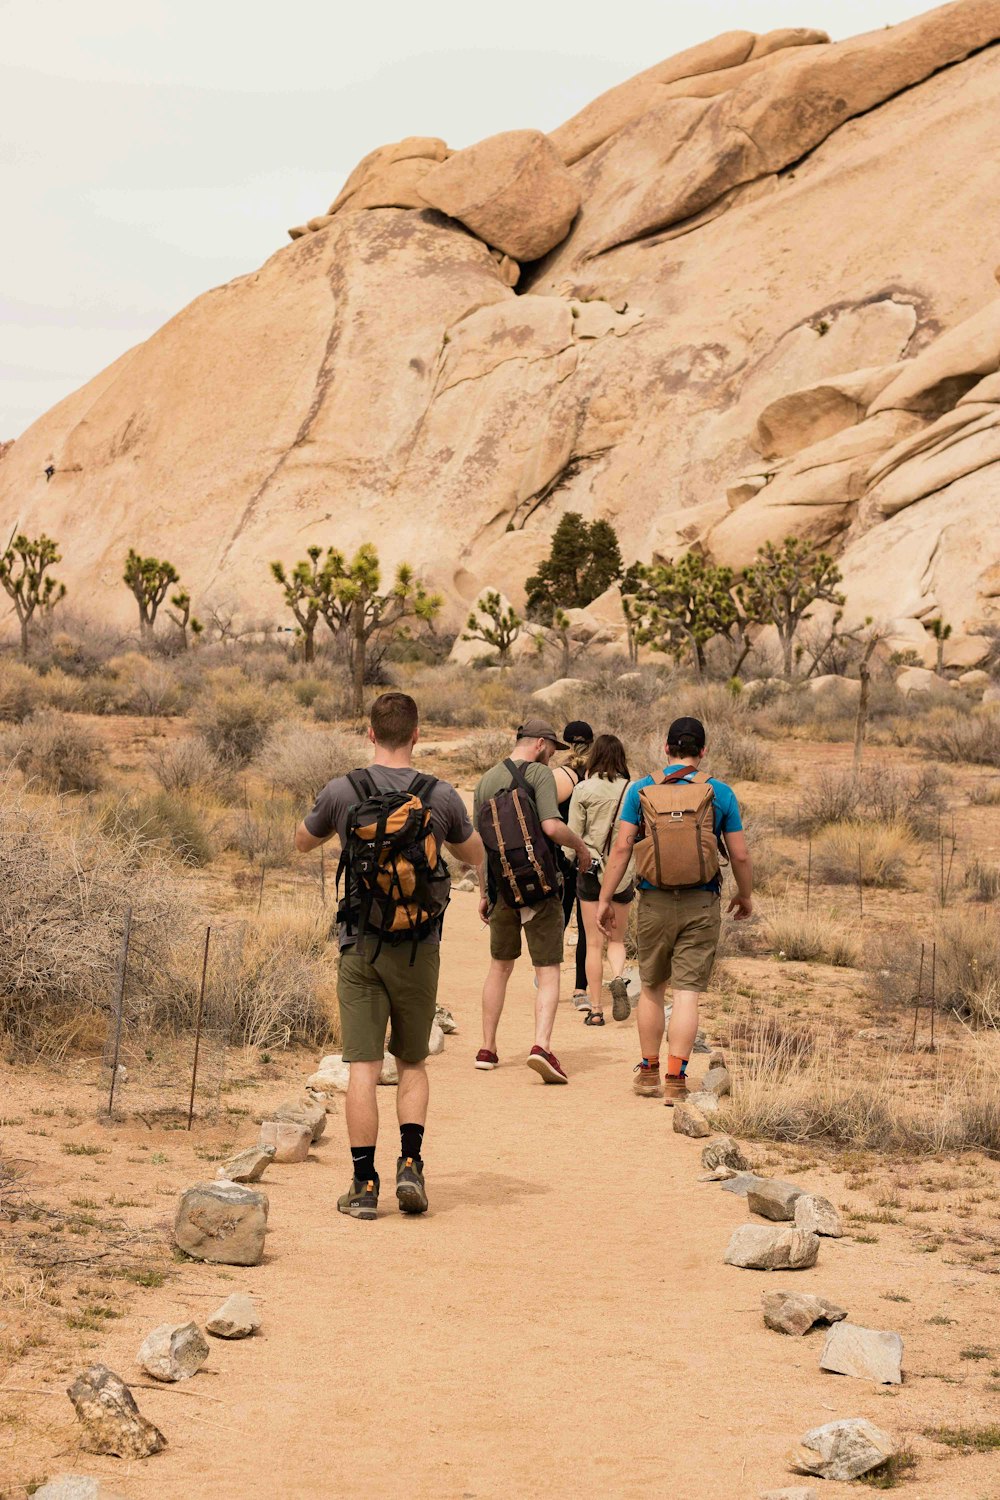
(726, 813)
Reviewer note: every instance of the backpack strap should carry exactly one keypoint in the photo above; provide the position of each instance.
(363, 783)
(423, 785)
(518, 777)
(614, 820)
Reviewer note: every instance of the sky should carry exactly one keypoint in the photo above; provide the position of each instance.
(151, 149)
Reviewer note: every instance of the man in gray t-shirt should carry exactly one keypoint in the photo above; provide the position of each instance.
(389, 984)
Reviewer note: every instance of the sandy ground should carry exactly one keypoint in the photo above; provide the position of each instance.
(560, 1324)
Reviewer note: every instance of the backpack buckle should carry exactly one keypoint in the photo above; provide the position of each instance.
(677, 816)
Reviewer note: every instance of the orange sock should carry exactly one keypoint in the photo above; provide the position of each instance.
(676, 1067)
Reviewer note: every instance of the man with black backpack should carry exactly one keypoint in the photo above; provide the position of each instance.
(392, 822)
(516, 810)
(676, 825)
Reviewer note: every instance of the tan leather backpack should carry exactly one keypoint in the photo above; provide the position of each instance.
(677, 847)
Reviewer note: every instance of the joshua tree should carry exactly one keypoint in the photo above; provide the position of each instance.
(941, 633)
(184, 619)
(680, 606)
(500, 628)
(304, 592)
(149, 578)
(781, 587)
(23, 570)
(365, 613)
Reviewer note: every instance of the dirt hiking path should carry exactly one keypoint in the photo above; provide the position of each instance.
(560, 1324)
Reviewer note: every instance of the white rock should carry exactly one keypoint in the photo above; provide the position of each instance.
(819, 1215)
(564, 687)
(436, 1040)
(707, 1104)
(236, 1319)
(797, 1312)
(332, 1076)
(911, 681)
(246, 1166)
(389, 1075)
(690, 1121)
(75, 1487)
(773, 1199)
(723, 1152)
(791, 1492)
(291, 1142)
(866, 1353)
(173, 1351)
(766, 1247)
(303, 1111)
(842, 1450)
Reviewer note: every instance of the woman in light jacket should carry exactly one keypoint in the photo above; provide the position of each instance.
(594, 811)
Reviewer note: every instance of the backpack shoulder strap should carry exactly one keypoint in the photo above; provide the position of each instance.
(701, 776)
(519, 779)
(363, 783)
(423, 785)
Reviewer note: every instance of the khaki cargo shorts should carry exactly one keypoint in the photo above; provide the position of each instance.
(376, 993)
(678, 933)
(544, 933)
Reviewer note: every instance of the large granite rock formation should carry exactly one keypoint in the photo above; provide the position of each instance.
(764, 318)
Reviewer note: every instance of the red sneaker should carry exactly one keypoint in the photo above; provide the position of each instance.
(486, 1060)
(546, 1065)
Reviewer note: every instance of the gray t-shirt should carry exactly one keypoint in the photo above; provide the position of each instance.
(449, 818)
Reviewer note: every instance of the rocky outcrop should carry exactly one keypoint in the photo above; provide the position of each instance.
(727, 339)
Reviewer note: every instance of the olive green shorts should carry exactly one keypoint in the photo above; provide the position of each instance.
(544, 933)
(678, 933)
(373, 994)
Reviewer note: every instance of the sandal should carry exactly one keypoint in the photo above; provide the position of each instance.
(594, 1018)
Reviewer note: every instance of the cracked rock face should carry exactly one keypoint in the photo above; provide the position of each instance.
(718, 337)
(111, 1421)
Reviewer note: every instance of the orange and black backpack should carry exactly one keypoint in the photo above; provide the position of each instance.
(396, 883)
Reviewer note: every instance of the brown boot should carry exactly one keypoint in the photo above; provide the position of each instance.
(646, 1081)
(675, 1090)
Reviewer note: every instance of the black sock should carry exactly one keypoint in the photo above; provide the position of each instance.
(411, 1139)
(363, 1158)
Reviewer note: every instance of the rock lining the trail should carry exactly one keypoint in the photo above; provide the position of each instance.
(237, 1318)
(246, 1166)
(690, 1121)
(797, 1312)
(791, 1492)
(173, 1351)
(302, 1112)
(842, 1450)
(761, 1247)
(112, 1422)
(706, 1104)
(774, 1199)
(819, 1215)
(717, 1081)
(724, 1152)
(291, 1140)
(741, 1184)
(864, 1353)
(76, 1487)
(222, 1222)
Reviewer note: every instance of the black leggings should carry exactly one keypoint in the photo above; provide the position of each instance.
(568, 902)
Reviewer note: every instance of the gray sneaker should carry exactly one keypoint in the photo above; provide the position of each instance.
(410, 1190)
(621, 1007)
(360, 1200)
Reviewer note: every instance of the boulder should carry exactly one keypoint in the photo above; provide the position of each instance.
(741, 1185)
(290, 1140)
(705, 1103)
(818, 1215)
(563, 687)
(866, 1353)
(723, 1152)
(976, 678)
(436, 1040)
(759, 1247)
(112, 1422)
(332, 1076)
(378, 163)
(248, 1165)
(512, 190)
(773, 1199)
(302, 1112)
(173, 1351)
(830, 687)
(75, 1487)
(236, 1318)
(842, 1450)
(690, 1121)
(912, 681)
(717, 1081)
(389, 1075)
(797, 1312)
(222, 1222)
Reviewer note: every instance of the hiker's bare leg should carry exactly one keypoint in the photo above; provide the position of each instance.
(595, 954)
(683, 1023)
(412, 1093)
(546, 1004)
(494, 994)
(616, 944)
(649, 1015)
(361, 1107)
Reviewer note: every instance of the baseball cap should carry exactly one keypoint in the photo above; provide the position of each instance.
(540, 729)
(687, 729)
(578, 732)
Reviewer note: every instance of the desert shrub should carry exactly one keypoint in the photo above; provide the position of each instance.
(305, 690)
(302, 761)
(982, 880)
(986, 793)
(21, 691)
(812, 937)
(263, 833)
(880, 851)
(486, 748)
(968, 967)
(275, 978)
(879, 794)
(740, 756)
(971, 737)
(235, 718)
(166, 821)
(77, 644)
(189, 765)
(54, 752)
(64, 888)
(144, 685)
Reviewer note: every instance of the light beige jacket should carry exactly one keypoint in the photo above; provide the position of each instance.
(592, 808)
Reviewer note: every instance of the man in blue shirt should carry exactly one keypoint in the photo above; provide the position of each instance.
(678, 927)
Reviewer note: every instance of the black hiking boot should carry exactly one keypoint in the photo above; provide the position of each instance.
(360, 1200)
(410, 1190)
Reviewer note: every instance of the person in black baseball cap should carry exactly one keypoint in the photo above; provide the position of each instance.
(674, 825)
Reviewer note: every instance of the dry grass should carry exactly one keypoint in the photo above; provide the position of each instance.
(982, 880)
(965, 737)
(144, 685)
(812, 937)
(169, 822)
(883, 795)
(737, 755)
(880, 851)
(191, 766)
(235, 717)
(275, 977)
(986, 793)
(302, 761)
(968, 966)
(54, 753)
(486, 748)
